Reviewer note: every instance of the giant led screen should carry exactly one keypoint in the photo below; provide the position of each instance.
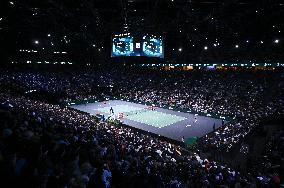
(143, 45)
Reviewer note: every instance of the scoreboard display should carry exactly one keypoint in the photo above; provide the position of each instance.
(129, 45)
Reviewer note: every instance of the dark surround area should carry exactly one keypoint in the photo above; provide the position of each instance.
(83, 28)
(223, 59)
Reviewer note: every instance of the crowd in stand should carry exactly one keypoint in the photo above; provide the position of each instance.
(67, 86)
(49, 145)
(246, 96)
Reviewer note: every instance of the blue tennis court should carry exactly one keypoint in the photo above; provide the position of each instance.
(165, 122)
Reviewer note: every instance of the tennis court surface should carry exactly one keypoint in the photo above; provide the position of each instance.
(165, 122)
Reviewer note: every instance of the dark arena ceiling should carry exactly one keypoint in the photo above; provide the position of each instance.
(193, 30)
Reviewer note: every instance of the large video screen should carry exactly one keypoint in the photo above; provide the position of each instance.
(145, 45)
